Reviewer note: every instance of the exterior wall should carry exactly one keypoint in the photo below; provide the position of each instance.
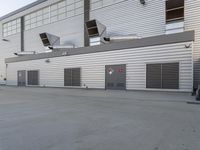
(123, 17)
(192, 22)
(70, 30)
(93, 66)
(120, 18)
(131, 17)
(7, 49)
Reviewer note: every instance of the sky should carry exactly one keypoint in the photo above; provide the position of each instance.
(7, 6)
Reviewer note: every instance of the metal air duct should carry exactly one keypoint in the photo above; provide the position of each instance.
(25, 53)
(121, 38)
(96, 31)
(53, 42)
(49, 39)
(62, 47)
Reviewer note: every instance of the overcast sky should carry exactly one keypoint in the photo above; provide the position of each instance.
(7, 6)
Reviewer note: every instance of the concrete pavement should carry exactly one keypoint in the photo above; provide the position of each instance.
(67, 119)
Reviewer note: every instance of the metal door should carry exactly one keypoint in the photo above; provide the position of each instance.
(115, 77)
(21, 76)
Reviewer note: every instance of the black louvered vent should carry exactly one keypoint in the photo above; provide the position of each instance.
(72, 77)
(153, 76)
(165, 76)
(33, 77)
(170, 76)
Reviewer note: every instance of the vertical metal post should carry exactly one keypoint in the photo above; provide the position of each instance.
(86, 18)
(22, 34)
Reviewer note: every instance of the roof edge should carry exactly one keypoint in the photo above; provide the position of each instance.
(187, 36)
(22, 9)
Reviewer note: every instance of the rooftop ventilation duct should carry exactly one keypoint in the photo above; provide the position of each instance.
(96, 32)
(49, 39)
(121, 38)
(53, 42)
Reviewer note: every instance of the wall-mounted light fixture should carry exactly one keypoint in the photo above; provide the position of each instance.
(188, 46)
(5, 40)
(143, 2)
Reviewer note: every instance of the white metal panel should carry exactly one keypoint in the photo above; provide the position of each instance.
(174, 27)
(7, 49)
(192, 22)
(172, 31)
(93, 66)
(131, 17)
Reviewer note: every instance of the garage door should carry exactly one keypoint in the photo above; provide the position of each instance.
(115, 77)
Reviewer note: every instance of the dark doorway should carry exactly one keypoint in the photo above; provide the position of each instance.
(21, 78)
(115, 76)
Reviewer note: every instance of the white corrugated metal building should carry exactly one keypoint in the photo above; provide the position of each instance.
(164, 56)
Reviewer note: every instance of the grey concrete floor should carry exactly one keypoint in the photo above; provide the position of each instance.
(66, 119)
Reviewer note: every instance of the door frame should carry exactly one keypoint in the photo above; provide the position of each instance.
(25, 78)
(125, 88)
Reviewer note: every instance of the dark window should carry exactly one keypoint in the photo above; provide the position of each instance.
(165, 76)
(72, 77)
(33, 77)
(174, 10)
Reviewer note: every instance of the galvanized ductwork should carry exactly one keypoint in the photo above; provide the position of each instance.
(53, 42)
(96, 32)
(25, 53)
(61, 47)
(49, 39)
(121, 38)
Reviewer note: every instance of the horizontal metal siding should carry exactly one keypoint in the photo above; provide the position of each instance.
(70, 30)
(7, 49)
(130, 17)
(93, 66)
(192, 22)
